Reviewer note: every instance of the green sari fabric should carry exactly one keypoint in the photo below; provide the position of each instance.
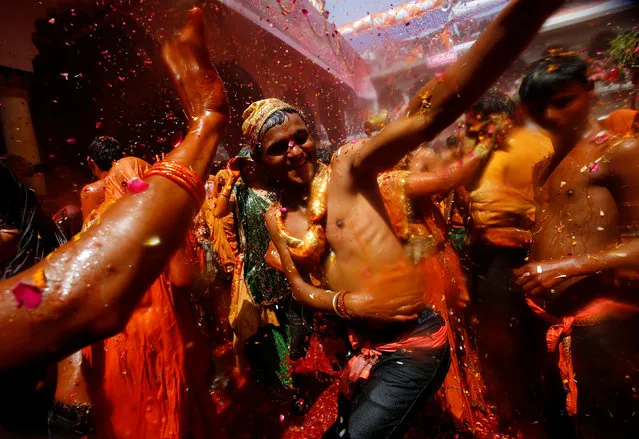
(266, 285)
(268, 349)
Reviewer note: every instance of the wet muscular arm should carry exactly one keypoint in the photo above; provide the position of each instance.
(92, 285)
(461, 85)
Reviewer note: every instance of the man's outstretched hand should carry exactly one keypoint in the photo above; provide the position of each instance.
(197, 81)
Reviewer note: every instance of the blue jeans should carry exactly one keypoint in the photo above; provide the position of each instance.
(400, 383)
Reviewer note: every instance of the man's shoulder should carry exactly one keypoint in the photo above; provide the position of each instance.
(622, 148)
(94, 187)
(523, 139)
(350, 147)
(623, 151)
(347, 152)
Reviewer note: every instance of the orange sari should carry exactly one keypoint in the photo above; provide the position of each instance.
(421, 222)
(145, 381)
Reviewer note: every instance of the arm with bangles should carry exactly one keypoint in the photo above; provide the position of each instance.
(444, 99)
(91, 286)
(455, 174)
(370, 304)
(621, 260)
(461, 172)
(225, 201)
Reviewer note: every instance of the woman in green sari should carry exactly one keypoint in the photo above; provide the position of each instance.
(260, 294)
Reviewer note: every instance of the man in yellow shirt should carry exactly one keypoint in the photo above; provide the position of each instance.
(502, 210)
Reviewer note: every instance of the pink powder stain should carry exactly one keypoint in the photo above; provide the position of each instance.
(137, 186)
(28, 295)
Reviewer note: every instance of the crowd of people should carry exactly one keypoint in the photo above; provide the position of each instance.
(389, 289)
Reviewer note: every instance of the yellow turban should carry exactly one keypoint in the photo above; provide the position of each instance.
(257, 113)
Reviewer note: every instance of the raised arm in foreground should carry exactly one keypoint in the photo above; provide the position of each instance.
(444, 99)
(90, 286)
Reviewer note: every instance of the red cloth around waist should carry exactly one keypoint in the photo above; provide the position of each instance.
(360, 366)
(558, 336)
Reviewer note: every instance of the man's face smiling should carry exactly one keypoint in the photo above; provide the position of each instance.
(288, 152)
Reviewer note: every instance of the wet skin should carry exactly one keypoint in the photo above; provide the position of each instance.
(357, 228)
(94, 283)
(587, 199)
(91, 196)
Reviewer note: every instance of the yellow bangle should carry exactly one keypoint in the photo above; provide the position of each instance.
(335, 299)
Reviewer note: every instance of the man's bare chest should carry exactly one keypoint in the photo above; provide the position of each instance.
(574, 197)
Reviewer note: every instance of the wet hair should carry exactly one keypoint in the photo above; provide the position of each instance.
(494, 102)
(104, 151)
(277, 118)
(547, 76)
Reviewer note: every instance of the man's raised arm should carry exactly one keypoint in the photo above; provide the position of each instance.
(90, 286)
(444, 99)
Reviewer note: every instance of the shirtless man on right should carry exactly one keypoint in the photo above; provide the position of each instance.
(585, 257)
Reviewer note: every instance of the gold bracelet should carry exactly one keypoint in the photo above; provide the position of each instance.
(335, 299)
(339, 306)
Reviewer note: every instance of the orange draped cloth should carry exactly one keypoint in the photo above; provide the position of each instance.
(149, 381)
(462, 394)
(622, 122)
(558, 337)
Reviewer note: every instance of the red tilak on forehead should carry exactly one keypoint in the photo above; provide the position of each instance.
(291, 143)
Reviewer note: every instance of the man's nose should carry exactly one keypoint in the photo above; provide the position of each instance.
(550, 113)
(294, 151)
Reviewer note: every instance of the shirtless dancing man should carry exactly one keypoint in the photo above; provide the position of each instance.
(371, 278)
(585, 254)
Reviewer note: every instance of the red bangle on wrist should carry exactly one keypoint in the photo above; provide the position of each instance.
(340, 305)
(183, 176)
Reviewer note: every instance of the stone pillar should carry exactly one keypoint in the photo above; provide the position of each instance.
(15, 118)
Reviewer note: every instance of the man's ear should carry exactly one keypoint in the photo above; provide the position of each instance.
(92, 166)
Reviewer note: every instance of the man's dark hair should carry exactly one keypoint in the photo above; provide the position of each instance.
(104, 151)
(494, 102)
(547, 76)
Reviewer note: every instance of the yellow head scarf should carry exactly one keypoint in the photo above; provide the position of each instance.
(257, 113)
